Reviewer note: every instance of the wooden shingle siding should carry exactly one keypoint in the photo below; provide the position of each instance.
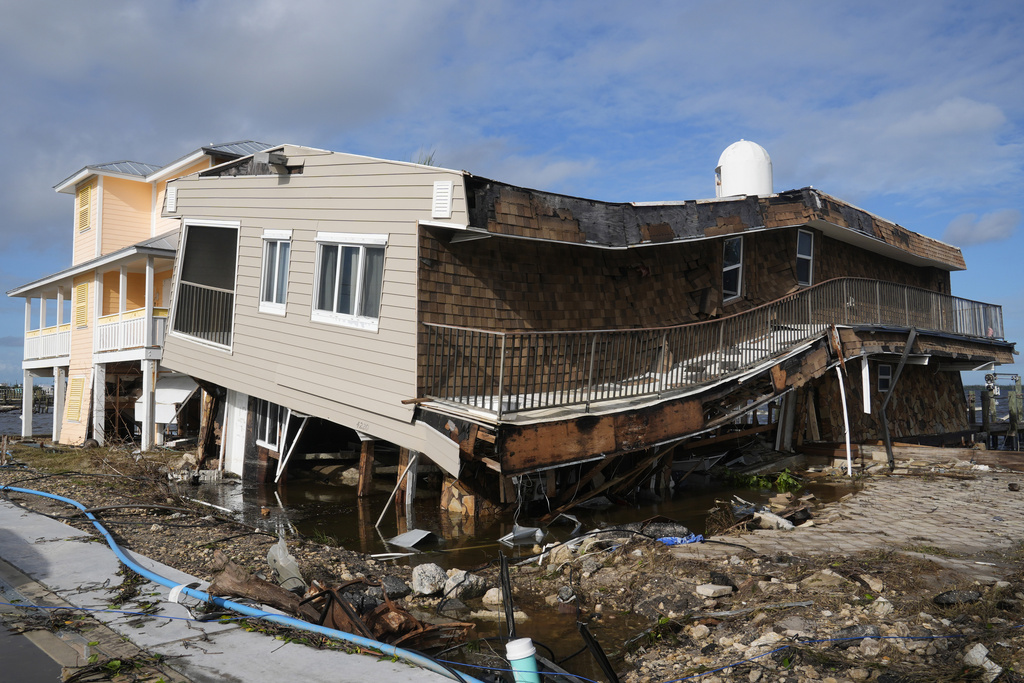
(354, 377)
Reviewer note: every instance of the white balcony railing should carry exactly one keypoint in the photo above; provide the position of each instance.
(49, 342)
(127, 330)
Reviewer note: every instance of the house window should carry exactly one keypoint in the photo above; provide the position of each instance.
(732, 268)
(349, 279)
(274, 290)
(804, 257)
(884, 378)
(204, 301)
(268, 424)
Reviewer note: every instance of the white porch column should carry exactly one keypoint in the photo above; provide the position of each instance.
(26, 404)
(60, 306)
(28, 326)
(60, 376)
(150, 271)
(42, 311)
(99, 403)
(122, 305)
(148, 404)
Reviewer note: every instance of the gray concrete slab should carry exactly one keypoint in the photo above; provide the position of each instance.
(959, 523)
(61, 559)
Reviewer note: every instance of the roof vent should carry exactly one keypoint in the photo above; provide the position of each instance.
(743, 169)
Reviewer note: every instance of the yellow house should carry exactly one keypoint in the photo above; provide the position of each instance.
(98, 327)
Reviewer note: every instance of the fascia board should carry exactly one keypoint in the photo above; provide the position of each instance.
(175, 166)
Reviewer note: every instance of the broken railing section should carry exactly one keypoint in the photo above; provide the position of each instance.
(513, 372)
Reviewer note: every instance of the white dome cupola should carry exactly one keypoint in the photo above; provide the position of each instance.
(743, 169)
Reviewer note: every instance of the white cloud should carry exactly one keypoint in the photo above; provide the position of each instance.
(969, 229)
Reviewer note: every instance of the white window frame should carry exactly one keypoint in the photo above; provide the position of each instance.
(341, 240)
(805, 257)
(268, 434)
(737, 266)
(884, 377)
(277, 237)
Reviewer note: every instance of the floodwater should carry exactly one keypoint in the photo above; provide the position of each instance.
(10, 423)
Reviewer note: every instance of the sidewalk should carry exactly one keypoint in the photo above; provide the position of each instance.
(964, 524)
(46, 562)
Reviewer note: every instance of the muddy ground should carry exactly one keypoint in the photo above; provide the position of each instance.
(882, 615)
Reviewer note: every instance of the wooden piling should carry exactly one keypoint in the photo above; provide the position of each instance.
(365, 468)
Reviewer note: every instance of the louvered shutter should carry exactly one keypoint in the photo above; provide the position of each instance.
(84, 204)
(82, 305)
(75, 391)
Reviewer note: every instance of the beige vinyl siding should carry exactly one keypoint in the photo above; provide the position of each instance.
(85, 237)
(127, 213)
(354, 377)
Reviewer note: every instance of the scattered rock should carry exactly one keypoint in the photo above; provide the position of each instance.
(394, 586)
(853, 635)
(710, 590)
(493, 597)
(428, 579)
(1014, 486)
(465, 586)
(825, 577)
(956, 597)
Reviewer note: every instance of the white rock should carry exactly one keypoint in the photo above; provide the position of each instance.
(710, 590)
(769, 638)
(428, 579)
(699, 632)
(494, 597)
(464, 586)
(881, 607)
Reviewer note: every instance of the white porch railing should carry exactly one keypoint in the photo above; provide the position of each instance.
(127, 330)
(49, 342)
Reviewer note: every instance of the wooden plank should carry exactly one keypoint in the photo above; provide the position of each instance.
(542, 445)
(731, 436)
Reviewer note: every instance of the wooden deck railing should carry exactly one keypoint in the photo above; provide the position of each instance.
(506, 372)
(49, 342)
(127, 330)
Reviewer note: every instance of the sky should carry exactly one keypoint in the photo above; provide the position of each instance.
(910, 110)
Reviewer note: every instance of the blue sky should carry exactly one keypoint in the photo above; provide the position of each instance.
(910, 110)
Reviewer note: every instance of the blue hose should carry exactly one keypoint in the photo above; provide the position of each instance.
(389, 650)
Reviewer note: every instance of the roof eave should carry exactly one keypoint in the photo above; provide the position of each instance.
(127, 253)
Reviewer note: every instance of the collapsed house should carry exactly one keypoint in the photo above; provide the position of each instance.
(330, 302)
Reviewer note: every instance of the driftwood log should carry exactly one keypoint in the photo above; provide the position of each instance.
(233, 581)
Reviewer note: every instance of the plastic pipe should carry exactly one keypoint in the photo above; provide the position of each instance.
(846, 423)
(390, 650)
(522, 655)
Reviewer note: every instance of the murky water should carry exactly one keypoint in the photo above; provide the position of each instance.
(10, 423)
